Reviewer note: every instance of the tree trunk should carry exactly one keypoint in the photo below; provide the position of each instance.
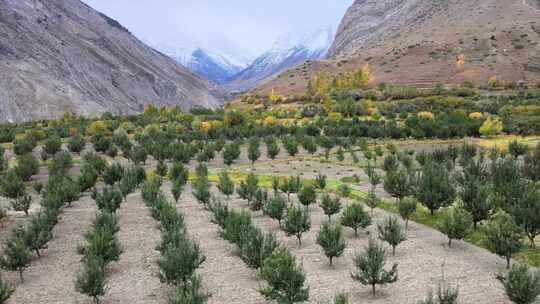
(299, 237)
(449, 242)
(432, 211)
(38, 254)
(393, 250)
(475, 225)
(355, 232)
(507, 262)
(373, 289)
(21, 275)
(331, 261)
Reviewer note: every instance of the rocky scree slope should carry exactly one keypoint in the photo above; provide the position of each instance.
(62, 55)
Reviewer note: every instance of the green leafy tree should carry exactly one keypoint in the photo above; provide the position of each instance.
(331, 239)
(503, 236)
(108, 199)
(176, 189)
(179, 172)
(307, 196)
(27, 166)
(178, 263)
(226, 184)
(24, 145)
(526, 212)
(392, 232)
(372, 200)
(354, 216)
(60, 164)
(231, 152)
(521, 284)
(285, 279)
(16, 255)
(52, 144)
(397, 183)
(272, 148)
(91, 280)
(344, 190)
(330, 205)
(456, 224)
(435, 188)
(369, 267)
(296, 222)
(340, 155)
(254, 151)
(291, 145)
(275, 207)
(38, 233)
(76, 143)
(474, 195)
(12, 185)
(113, 174)
(406, 209)
(161, 168)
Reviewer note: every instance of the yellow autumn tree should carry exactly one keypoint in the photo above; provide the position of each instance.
(491, 127)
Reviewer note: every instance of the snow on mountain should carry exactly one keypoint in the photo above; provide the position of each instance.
(286, 52)
(215, 67)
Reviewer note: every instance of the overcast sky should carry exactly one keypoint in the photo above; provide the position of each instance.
(222, 25)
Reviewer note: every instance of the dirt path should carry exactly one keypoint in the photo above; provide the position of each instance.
(133, 279)
(224, 274)
(51, 278)
(420, 260)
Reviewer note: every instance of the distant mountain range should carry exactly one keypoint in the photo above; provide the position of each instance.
(237, 75)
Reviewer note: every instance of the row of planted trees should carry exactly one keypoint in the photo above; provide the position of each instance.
(59, 192)
(180, 256)
(493, 193)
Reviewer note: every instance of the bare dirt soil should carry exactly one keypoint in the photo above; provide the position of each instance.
(51, 278)
(224, 274)
(423, 260)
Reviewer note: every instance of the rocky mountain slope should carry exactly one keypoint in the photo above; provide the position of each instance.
(285, 54)
(61, 55)
(421, 42)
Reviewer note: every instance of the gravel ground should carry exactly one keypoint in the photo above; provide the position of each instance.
(420, 259)
(51, 278)
(134, 278)
(224, 274)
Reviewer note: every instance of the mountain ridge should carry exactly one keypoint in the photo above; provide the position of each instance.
(62, 55)
(424, 42)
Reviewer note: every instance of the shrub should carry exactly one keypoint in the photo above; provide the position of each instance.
(503, 236)
(113, 174)
(23, 145)
(178, 263)
(275, 207)
(406, 208)
(16, 255)
(27, 166)
(369, 267)
(330, 238)
(76, 143)
(355, 217)
(456, 224)
(189, 293)
(330, 205)
(296, 222)
(521, 284)
(91, 280)
(52, 145)
(392, 232)
(285, 279)
(307, 196)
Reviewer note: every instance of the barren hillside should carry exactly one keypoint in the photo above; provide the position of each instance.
(61, 55)
(421, 42)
